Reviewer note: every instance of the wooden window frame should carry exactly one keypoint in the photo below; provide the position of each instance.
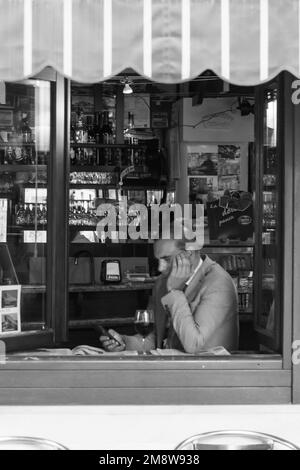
(98, 381)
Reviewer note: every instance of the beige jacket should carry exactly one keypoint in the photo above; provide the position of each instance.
(205, 316)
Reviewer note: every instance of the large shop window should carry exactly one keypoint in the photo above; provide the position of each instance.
(25, 156)
(203, 142)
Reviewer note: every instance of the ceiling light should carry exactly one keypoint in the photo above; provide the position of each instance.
(127, 90)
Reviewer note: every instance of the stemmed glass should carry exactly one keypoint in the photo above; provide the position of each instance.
(144, 324)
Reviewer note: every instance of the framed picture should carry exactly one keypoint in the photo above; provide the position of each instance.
(202, 159)
(10, 317)
(203, 184)
(226, 161)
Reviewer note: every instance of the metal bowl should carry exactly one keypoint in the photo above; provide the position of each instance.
(28, 443)
(235, 440)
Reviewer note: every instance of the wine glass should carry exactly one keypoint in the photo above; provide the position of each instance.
(144, 324)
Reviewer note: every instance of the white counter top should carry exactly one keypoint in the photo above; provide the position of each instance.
(144, 427)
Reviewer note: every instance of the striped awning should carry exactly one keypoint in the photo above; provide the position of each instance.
(242, 41)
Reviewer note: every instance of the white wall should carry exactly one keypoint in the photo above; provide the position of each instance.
(227, 127)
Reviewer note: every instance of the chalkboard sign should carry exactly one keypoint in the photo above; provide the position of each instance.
(231, 216)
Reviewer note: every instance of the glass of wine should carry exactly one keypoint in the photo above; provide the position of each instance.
(144, 324)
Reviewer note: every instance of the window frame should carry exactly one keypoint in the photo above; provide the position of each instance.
(234, 380)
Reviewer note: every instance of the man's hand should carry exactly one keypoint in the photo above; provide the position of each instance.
(112, 345)
(180, 272)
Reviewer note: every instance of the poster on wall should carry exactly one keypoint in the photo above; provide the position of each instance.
(229, 182)
(229, 168)
(203, 184)
(202, 159)
(10, 317)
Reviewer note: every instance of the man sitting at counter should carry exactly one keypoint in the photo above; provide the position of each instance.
(194, 302)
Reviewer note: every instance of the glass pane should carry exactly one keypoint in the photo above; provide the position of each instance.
(92, 156)
(24, 157)
(270, 215)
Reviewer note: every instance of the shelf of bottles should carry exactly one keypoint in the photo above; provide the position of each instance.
(269, 196)
(31, 215)
(93, 149)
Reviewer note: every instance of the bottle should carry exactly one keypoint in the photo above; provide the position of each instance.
(8, 156)
(39, 213)
(106, 128)
(91, 136)
(80, 130)
(130, 120)
(44, 214)
(18, 155)
(26, 131)
(20, 215)
(27, 214)
(73, 158)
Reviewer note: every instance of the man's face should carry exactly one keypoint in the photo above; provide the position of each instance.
(165, 251)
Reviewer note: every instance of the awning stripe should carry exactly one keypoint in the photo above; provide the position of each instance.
(186, 39)
(147, 39)
(107, 38)
(27, 46)
(166, 40)
(67, 38)
(264, 39)
(225, 39)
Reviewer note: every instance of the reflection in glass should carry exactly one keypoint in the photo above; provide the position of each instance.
(24, 158)
(270, 207)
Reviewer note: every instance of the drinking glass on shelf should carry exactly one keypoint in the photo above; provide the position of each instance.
(144, 324)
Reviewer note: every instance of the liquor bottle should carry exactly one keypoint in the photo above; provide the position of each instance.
(85, 157)
(90, 129)
(26, 131)
(44, 214)
(18, 155)
(106, 128)
(130, 120)
(8, 155)
(39, 213)
(28, 216)
(73, 157)
(20, 215)
(80, 157)
(80, 130)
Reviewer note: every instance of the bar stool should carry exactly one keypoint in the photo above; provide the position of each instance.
(28, 443)
(235, 440)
